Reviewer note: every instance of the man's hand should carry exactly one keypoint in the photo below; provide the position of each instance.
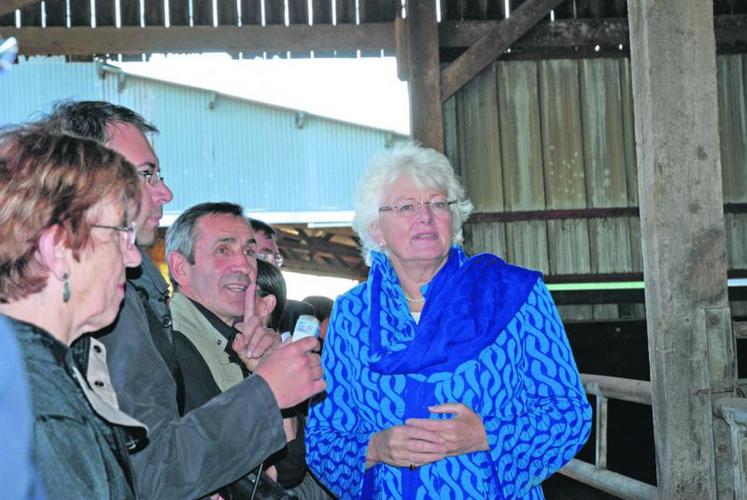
(293, 372)
(255, 340)
(404, 446)
(462, 434)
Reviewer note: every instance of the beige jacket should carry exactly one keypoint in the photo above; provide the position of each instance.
(210, 343)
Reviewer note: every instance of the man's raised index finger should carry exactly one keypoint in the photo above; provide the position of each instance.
(249, 301)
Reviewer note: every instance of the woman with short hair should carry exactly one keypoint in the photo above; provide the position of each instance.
(65, 241)
(448, 376)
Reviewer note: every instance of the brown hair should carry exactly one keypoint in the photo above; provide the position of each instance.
(49, 179)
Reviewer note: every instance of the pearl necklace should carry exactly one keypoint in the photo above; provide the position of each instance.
(414, 301)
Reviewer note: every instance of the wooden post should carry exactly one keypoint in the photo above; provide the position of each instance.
(424, 74)
(691, 348)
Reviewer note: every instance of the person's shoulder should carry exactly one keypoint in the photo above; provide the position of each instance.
(129, 327)
(131, 313)
(355, 294)
(184, 314)
(353, 301)
(497, 267)
(52, 391)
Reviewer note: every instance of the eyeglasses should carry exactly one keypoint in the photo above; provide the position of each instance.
(409, 207)
(152, 176)
(130, 229)
(271, 258)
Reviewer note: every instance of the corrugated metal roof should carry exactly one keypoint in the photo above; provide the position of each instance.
(282, 164)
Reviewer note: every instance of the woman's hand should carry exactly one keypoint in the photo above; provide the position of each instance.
(404, 446)
(462, 434)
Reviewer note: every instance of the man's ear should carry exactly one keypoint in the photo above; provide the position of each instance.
(52, 252)
(180, 269)
(266, 304)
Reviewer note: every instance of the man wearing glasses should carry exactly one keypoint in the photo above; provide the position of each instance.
(192, 455)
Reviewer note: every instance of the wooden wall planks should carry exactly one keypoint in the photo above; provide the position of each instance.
(560, 135)
(733, 125)
(520, 136)
(521, 152)
(480, 142)
(606, 183)
(732, 72)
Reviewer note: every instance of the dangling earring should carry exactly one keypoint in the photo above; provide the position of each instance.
(65, 288)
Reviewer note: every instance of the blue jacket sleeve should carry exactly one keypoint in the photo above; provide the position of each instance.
(336, 438)
(549, 418)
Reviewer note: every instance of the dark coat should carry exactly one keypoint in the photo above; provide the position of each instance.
(78, 453)
(200, 386)
(187, 456)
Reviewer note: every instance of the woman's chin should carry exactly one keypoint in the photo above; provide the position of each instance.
(104, 318)
(429, 254)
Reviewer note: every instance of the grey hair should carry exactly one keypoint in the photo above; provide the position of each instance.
(180, 236)
(427, 168)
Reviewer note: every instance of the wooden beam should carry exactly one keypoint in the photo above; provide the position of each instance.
(562, 33)
(577, 213)
(569, 34)
(401, 49)
(315, 245)
(423, 75)
(561, 214)
(691, 347)
(8, 6)
(492, 45)
(136, 40)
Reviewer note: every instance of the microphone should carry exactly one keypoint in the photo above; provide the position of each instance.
(306, 326)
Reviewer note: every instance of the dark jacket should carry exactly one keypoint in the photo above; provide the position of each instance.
(18, 473)
(79, 454)
(200, 385)
(189, 456)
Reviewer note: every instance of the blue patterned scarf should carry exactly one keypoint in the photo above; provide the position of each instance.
(468, 303)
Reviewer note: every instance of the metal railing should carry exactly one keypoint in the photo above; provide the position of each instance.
(734, 412)
(597, 475)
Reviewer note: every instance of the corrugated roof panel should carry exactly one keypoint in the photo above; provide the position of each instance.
(217, 147)
(267, 158)
(36, 84)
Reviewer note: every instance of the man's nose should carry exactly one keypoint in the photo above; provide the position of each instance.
(245, 263)
(162, 193)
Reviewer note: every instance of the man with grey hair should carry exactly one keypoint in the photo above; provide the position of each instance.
(191, 455)
(211, 251)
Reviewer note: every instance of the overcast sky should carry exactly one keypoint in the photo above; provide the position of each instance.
(364, 90)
